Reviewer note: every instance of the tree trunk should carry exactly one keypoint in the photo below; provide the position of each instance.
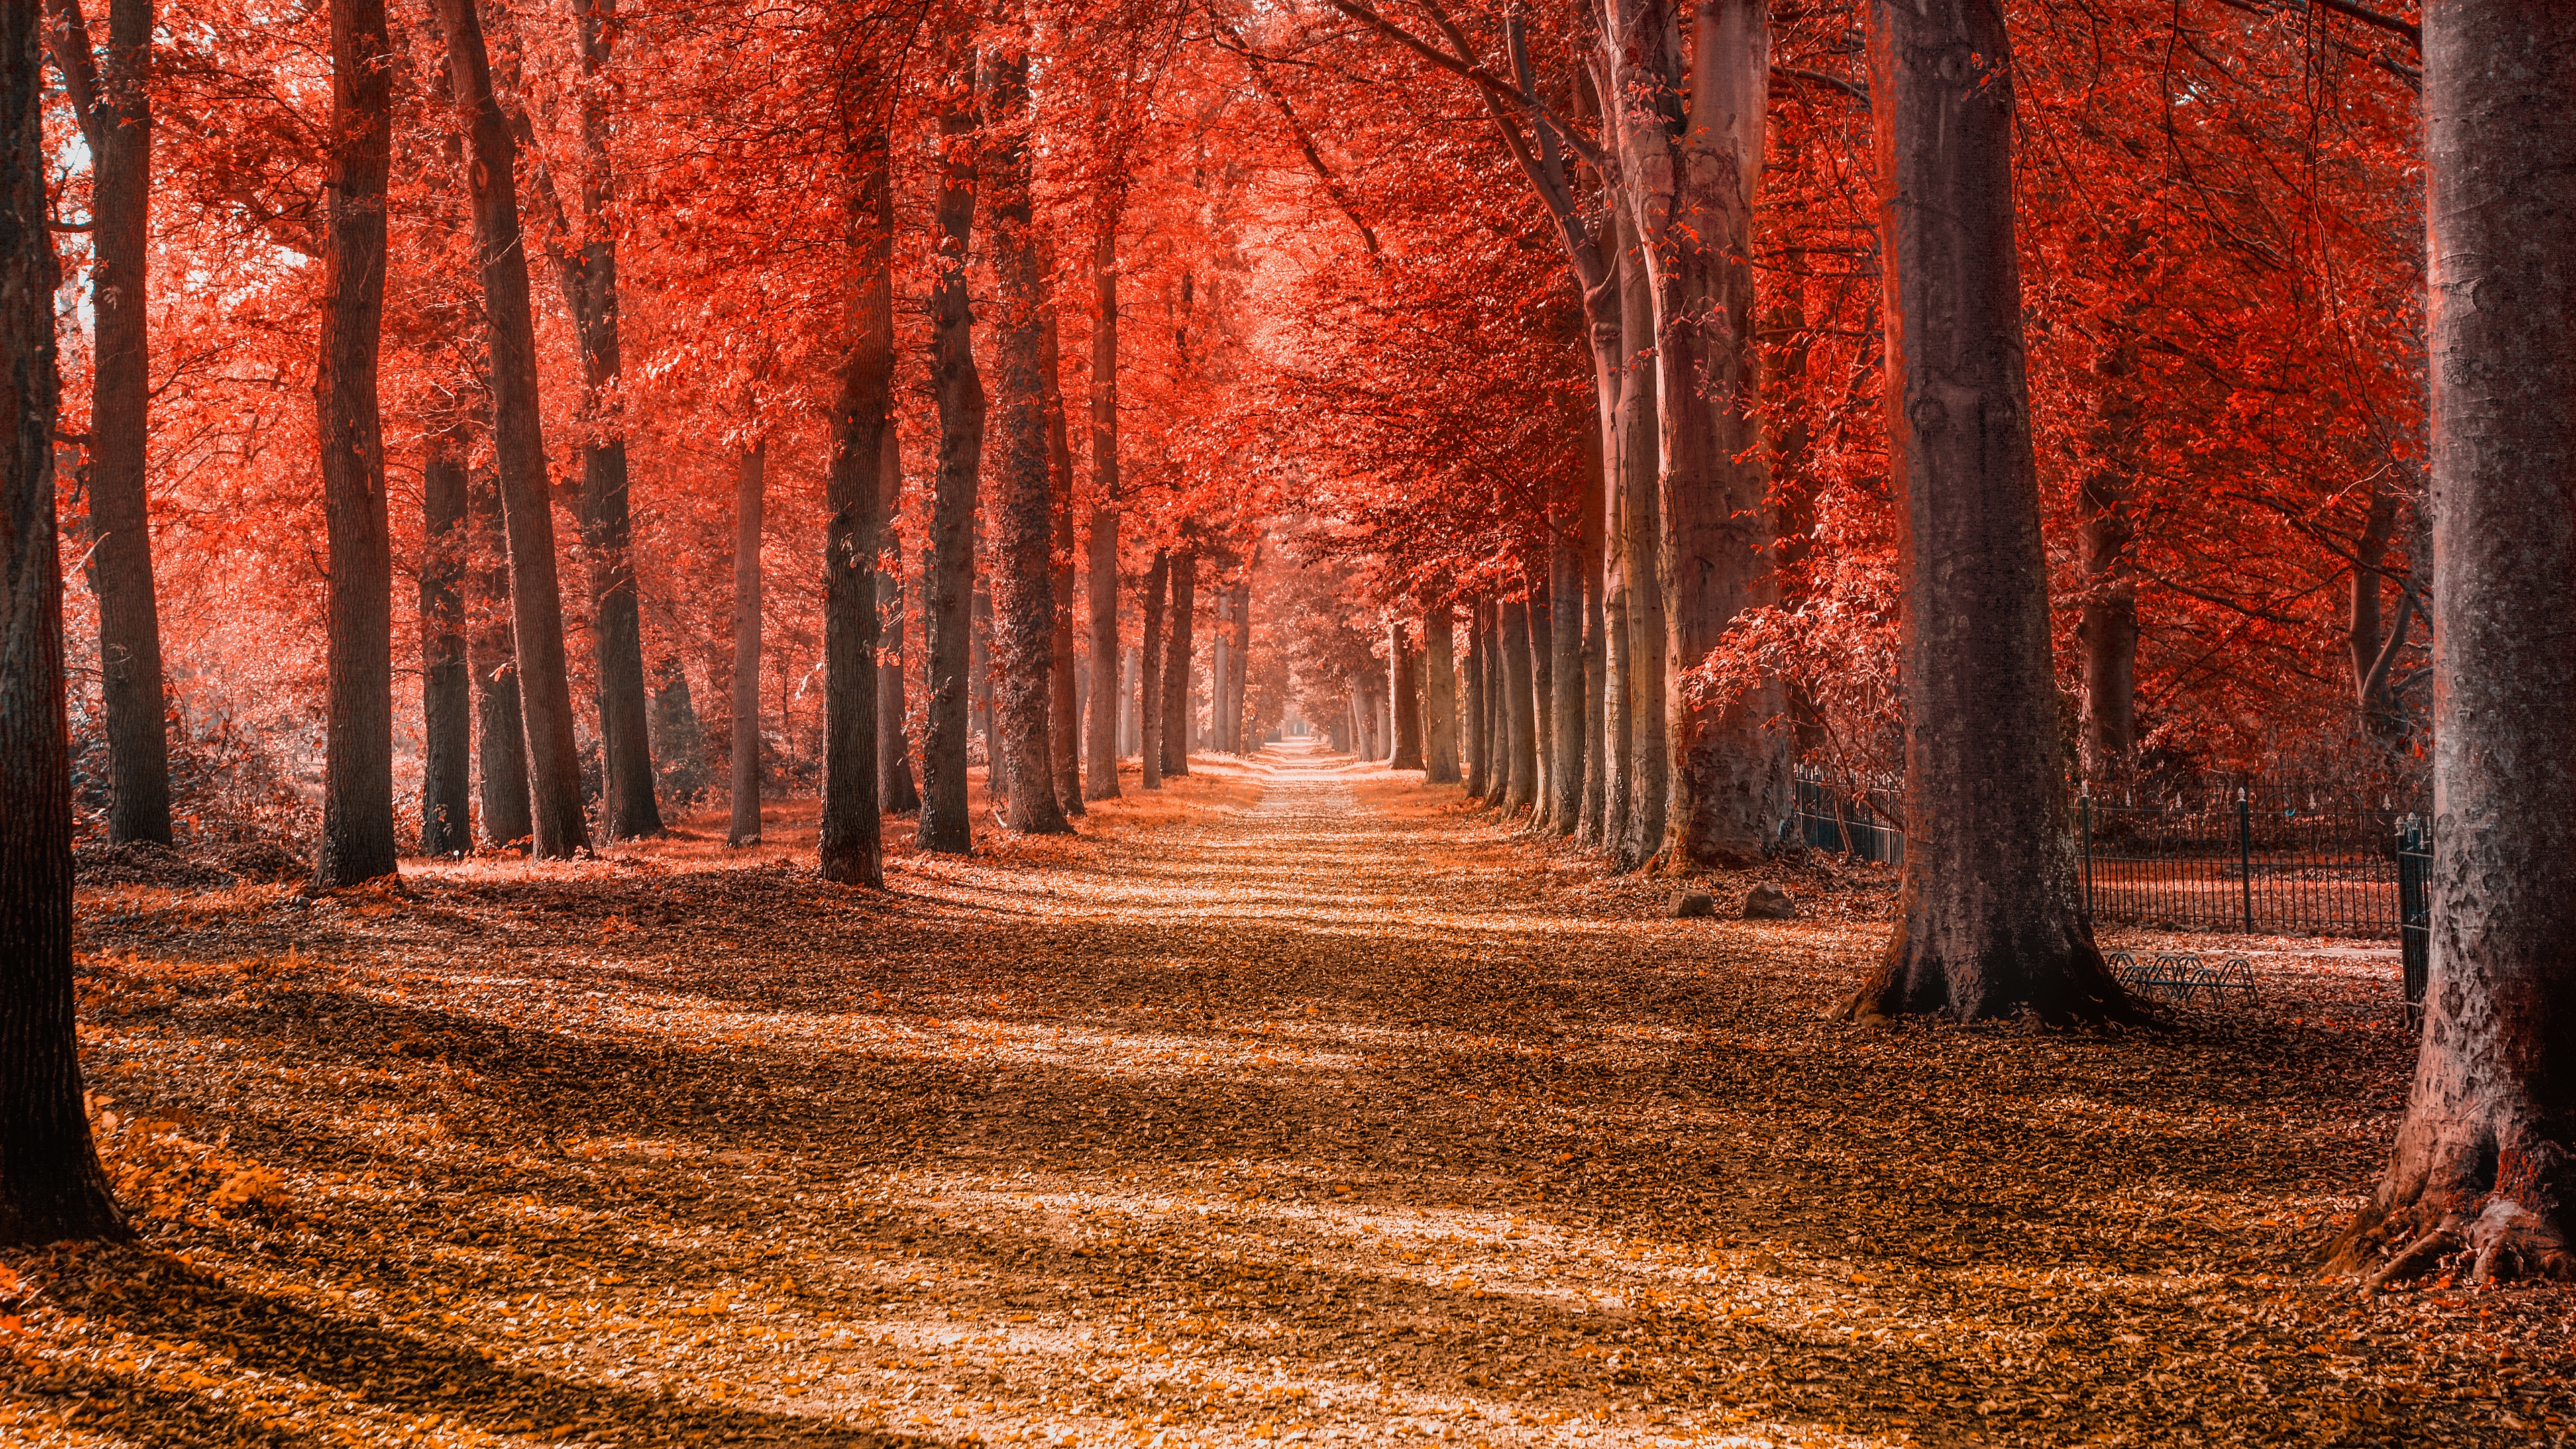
(2485, 1160)
(545, 693)
(750, 478)
(446, 684)
(627, 804)
(1403, 677)
(1520, 717)
(1439, 696)
(2108, 627)
(358, 770)
(1101, 743)
(1022, 511)
(1542, 694)
(1568, 684)
(896, 793)
(1177, 665)
(850, 848)
(1236, 706)
(115, 115)
(2373, 647)
(492, 655)
(1596, 736)
(1689, 129)
(1064, 693)
(1649, 764)
(979, 662)
(1989, 920)
(1149, 675)
(1127, 688)
(51, 1185)
(948, 564)
(1471, 741)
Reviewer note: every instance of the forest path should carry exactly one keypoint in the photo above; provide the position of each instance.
(1297, 1103)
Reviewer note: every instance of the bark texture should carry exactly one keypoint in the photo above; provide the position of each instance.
(1689, 128)
(2485, 1161)
(1989, 920)
(1021, 512)
(850, 848)
(446, 682)
(750, 479)
(358, 769)
(1479, 756)
(1439, 696)
(1100, 740)
(114, 108)
(948, 563)
(1403, 666)
(1649, 773)
(1596, 677)
(545, 693)
(1568, 682)
(896, 792)
(51, 1186)
(1519, 722)
(1064, 692)
(492, 654)
(1177, 665)
(1149, 675)
(589, 278)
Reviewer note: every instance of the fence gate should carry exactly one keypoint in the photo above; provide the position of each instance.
(2415, 908)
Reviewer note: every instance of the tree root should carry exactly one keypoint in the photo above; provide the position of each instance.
(2507, 1242)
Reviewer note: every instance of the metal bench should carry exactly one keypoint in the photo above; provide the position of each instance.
(2183, 975)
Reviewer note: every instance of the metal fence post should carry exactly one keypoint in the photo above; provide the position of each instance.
(2245, 854)
(2084, 810)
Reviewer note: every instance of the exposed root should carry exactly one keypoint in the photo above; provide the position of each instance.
(2507, 1242)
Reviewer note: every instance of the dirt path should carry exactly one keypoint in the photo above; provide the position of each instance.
(1295, 1106)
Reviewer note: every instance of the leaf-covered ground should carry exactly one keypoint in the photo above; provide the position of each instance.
(1297, 1105)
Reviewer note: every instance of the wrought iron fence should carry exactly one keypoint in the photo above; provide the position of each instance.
(2275, 862)
(1861, 827)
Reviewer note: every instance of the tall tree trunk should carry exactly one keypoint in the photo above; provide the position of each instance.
(1479, 756)
(2372, 646)
(1519, 722)
(750, 480)
(1989, 920)
(446, 684)
(1403, 679)
(1149, 675)
(1064, 694)
(1100, 745)
(115, 115)
(589, 278)
(979, 662)
(1235, 706)
(2485, 1160)
(1597, 767)
(492, 655)
(1127, 687)
(1542, 694)
(51, 1185)
(2108, 627)
(545, 692)
(1177, 665)
(948, 564)
(358, 769)
(1569, 688)
(1221, 670)
(1689, 129)
(1439, 695)
(1022, 511)
(896, 793)
(1641, 569)
(851, 845)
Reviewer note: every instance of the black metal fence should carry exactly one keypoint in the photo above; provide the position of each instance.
(1859, 826)
(2271, 860)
